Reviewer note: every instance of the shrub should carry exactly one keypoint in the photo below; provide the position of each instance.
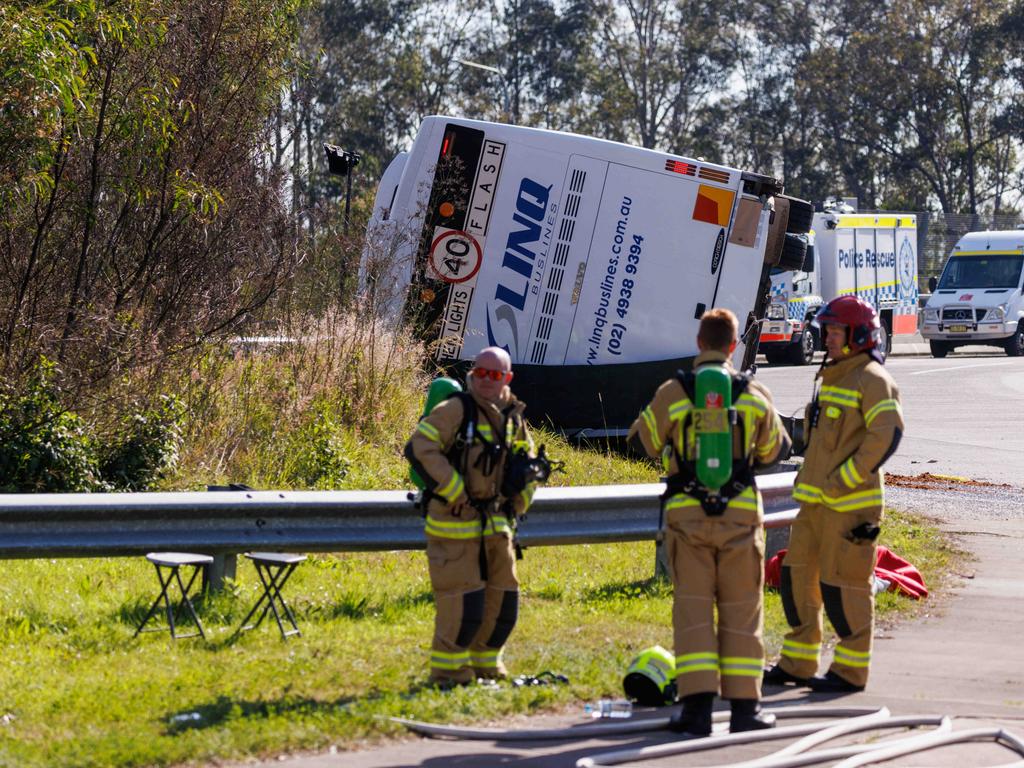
(43, 446)
(147, 447)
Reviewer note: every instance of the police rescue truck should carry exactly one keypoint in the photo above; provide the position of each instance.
(590, 261)
(869, 255)
(977, 300)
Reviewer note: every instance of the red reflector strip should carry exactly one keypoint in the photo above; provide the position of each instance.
(446, 145)
(677, 167)
(776, 336)
(713, 175)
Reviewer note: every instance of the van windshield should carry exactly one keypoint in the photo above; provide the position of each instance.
(993, 270)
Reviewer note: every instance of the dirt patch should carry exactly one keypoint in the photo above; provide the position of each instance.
(928, 481)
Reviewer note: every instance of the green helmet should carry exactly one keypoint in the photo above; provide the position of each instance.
(650, 679)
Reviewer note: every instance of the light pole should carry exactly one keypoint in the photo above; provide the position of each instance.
(506, 107)
(341, 162)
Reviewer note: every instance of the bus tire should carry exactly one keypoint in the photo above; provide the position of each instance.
(1015, 344)
(939, 348)
(794, 251)
(801, 215)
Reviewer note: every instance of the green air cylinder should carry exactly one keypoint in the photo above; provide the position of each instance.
(711, 423)
(439, 389)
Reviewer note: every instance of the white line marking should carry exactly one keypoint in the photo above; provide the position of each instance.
(960, 367)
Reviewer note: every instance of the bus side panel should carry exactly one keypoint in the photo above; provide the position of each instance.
(658, 243)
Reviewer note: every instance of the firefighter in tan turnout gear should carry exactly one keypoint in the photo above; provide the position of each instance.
(714, 542)
(472, 504)
(853, 425)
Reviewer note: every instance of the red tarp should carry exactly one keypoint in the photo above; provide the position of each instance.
(901, 575)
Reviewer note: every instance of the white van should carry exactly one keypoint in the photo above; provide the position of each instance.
(588, 260)
(977, 300)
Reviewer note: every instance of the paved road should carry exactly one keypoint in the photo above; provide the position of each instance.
(964, 413)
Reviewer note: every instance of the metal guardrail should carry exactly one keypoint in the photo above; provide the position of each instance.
(231, 522)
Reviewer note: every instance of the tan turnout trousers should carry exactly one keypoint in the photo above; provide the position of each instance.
(715, 561)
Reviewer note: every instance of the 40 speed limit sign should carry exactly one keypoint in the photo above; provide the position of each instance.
(455, 256)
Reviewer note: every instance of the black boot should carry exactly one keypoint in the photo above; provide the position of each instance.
(776, 675)
(695, 715)
(747, 716)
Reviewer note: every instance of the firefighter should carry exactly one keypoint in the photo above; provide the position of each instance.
(852, 426)
(714, 541)
(460, 450)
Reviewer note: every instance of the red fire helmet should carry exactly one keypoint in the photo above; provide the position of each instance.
(859, 317)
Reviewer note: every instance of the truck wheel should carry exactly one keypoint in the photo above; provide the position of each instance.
(802, 352)
(775, 357)
(1015, 344)
(885, 339)
(801, 215)
(939, 348)
(794, 251)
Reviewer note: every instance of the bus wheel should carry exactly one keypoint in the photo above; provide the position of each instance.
(802, 352)
(939, 348)
(1015, 344)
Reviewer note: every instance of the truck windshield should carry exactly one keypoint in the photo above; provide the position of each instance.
(993, 270)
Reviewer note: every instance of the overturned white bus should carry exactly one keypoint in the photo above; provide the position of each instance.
(588, 260)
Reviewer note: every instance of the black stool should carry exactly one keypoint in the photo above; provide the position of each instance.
(274, 569)
(168, 567)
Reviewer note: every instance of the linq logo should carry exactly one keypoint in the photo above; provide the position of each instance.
(713, 400)
(966, 297)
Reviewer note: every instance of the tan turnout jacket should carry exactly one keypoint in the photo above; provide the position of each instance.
(449, 512)
(859, 425)
(659, 426)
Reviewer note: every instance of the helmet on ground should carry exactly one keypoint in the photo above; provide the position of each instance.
(859, 317)
(650, 679)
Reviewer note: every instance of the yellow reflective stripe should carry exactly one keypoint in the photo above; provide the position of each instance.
(742, 666)
(853, 471)
(796, 650)
(696, 662)
(453, 489)
(442, 660)
(849, 658)
(485, 430)
(527, 493)
(755, 403)
(802, 646)
(452, 529)
(882, 406)
(840, 395)
(848, 472)
(847, 503)
(429, 431)
(681, 501)
(652, 427)
(497, 525)
(485, 659)
(679, 409)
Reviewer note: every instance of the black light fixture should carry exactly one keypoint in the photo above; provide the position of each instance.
(341, 162)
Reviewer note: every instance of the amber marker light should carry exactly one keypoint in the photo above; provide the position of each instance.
(446, 209)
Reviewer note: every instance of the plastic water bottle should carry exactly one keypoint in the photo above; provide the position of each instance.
(609, 708)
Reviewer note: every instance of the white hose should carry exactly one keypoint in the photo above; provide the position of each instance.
(932, 740)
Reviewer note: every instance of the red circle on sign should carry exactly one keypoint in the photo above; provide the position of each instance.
(447, 277)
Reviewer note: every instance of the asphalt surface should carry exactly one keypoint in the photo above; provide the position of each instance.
(961, 657)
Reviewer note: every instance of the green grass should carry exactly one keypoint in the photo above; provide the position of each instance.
(77, 690)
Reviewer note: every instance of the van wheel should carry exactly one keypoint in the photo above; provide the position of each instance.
(1015, 344)
(885, 339)
(939, 348)
(802, 352)
(794, 251)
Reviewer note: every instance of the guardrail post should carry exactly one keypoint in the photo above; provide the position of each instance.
(224, 566)
(661, 570)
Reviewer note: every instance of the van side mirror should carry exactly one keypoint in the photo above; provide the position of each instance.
(932, 284)
(808, 265)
